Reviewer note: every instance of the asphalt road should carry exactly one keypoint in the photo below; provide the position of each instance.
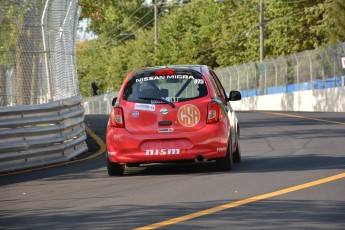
(292, 176)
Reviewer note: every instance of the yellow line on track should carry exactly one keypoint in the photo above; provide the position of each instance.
(99, 141)
(242, 202)
(306, 118)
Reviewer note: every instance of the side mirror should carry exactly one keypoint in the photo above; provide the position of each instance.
(234, 96)
(113, 101)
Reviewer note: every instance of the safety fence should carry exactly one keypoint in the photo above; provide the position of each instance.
(41, 117)
(37, 51)
(309, 70)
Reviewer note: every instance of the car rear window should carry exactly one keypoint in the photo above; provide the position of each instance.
(174, 86)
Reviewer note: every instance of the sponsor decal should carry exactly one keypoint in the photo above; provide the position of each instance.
(170, 99)
(157, 102)
(112, 153)
(153, 78)
(188, 115)
(221, 149)
(135, 113)
(174, 99)
(166, 130)
(145, 107)
(161, 152)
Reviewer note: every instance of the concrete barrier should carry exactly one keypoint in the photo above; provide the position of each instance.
(324, 100)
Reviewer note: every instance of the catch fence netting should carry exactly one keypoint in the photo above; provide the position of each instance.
(37, 51)
(308, 70)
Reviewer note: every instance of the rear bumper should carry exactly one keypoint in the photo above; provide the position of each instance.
(124, 147)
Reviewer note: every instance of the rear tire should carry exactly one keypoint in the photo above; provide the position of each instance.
(226, 163)
(115, 169)
(237, 154)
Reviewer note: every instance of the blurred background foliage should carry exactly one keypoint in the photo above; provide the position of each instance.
(217, 33)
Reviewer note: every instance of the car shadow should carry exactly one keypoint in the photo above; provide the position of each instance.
(249, 164)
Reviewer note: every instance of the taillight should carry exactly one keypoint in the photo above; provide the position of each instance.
(213, 112)
(116, 118)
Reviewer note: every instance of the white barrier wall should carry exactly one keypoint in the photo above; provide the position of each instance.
(325, 100)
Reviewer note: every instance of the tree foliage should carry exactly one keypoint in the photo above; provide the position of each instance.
(334, 25)
(200, 32)
(112, 19)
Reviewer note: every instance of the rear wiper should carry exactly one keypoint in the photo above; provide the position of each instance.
(159, 99)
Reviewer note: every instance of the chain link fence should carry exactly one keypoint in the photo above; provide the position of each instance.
(37, 51)
(41, 117)
(308, 70)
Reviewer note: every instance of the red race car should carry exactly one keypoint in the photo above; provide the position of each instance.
(172, 114)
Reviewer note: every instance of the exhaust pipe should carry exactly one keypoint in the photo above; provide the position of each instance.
(199, 158)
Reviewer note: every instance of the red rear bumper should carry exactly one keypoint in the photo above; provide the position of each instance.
(124, 147)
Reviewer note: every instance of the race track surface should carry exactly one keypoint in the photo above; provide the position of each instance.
(292, 176)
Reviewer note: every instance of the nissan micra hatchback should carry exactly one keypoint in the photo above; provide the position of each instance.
(172, 114)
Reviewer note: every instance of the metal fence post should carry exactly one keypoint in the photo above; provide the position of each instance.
(285, 73)
(297, 71)
(45, 50)
(276, 73)
(310, 68)
(230, 77)
(265, 80)
(334, 67)
(246, 77)
(238, 78)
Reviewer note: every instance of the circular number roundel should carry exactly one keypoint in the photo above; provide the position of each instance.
(188, 115)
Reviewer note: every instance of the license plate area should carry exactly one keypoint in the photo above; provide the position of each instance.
(165, 146)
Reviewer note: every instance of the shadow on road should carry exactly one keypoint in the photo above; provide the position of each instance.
(286, 214)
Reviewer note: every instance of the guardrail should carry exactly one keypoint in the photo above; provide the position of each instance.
(35, 135)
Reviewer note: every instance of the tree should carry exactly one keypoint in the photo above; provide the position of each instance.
(92, 64)
(133, 54)
(292, 26)
(210, 33)
(334, 24)
(111, 19)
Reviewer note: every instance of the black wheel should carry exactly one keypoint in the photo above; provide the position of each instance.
(237, 154)
(115, 169)
(226, 163)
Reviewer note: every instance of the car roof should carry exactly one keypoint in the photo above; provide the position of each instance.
(190, 67)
